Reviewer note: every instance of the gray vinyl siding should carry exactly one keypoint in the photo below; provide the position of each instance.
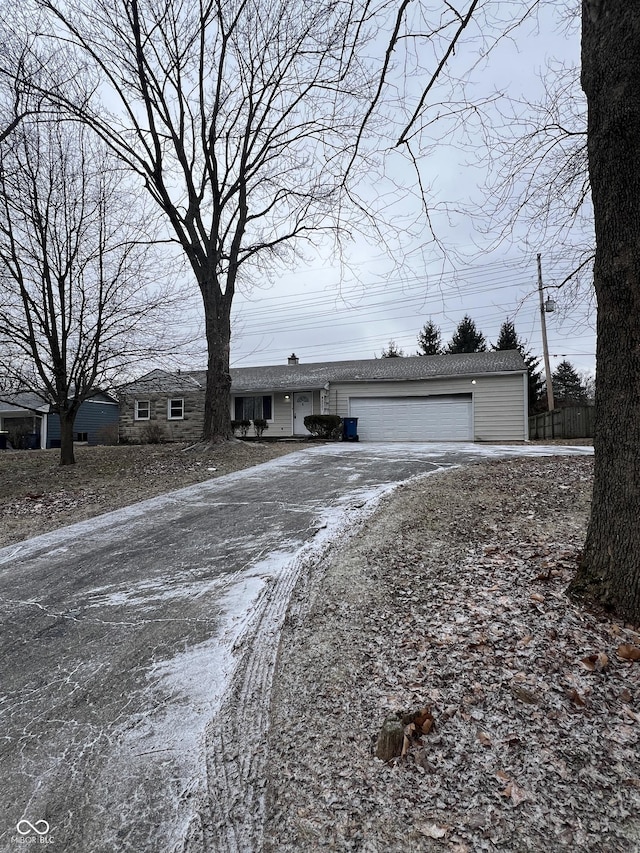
(281, 424)
(498, 401)
(500, 408)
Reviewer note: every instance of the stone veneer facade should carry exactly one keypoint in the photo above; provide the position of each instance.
(188, 428)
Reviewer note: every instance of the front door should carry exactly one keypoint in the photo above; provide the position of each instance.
(302, 406)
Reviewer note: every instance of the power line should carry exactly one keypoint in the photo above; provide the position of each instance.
(393, 303)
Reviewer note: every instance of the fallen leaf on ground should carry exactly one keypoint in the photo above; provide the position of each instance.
(575, 697)
(628, 652)
(595, 662)
(515, 793)
(424, 721)
(432, 830)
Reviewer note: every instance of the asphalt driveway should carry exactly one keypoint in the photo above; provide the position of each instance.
(120, 637)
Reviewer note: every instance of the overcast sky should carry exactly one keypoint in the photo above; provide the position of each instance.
(323, 311)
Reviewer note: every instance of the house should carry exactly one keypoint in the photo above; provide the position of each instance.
(466, 397)
(27, 421)
(23, 421)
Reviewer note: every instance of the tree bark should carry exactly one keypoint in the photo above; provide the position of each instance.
(609, 572)
(217, 406)
(66, 438)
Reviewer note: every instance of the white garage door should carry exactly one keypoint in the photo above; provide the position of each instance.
(413, 418)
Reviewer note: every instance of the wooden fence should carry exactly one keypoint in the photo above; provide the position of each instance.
(572, 422)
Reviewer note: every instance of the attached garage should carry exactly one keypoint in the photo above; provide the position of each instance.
(460, 397)
(428, 418)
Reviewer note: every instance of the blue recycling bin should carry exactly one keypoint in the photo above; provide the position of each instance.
(350, 429)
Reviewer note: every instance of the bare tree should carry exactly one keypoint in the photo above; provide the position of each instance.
(76, 305)
(609, 571)
(240, 119)
(249, 122)
(15, 101)
(538, 180)
(23, 66)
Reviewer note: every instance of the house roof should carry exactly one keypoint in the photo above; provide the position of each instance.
(298, 376)
(32, 402)
(292, 377)
(23, 401)
(161, 381)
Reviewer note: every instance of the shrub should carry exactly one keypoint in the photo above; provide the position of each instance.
(243, 426)
(153, 434)
(107, 434)
(259, 426)
(324, 426)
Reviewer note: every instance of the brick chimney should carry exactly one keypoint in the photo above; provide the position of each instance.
(293, 359)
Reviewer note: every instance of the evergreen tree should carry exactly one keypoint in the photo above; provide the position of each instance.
(568, 390)
(508, 340)
(467, 338)
(429, 339)
(392, 350)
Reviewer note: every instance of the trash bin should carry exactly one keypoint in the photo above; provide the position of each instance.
(3, 440)
(350, 429)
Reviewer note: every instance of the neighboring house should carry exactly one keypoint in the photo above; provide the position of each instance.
(29, 422)
(465, 397)
(23, 421)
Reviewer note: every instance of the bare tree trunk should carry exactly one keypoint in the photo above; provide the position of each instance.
(217, 407)
(66, 438)
(610, 569)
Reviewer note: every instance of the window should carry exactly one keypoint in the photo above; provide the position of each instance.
(82, 436)
(142, 410)
(250, 408)
(175, 409)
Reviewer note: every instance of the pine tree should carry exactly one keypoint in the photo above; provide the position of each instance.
(392, 351)
(508, 340)
(568, 390)
(429, 339)
(467, 338)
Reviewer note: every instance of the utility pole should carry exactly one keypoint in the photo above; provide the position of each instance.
(545, 345)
